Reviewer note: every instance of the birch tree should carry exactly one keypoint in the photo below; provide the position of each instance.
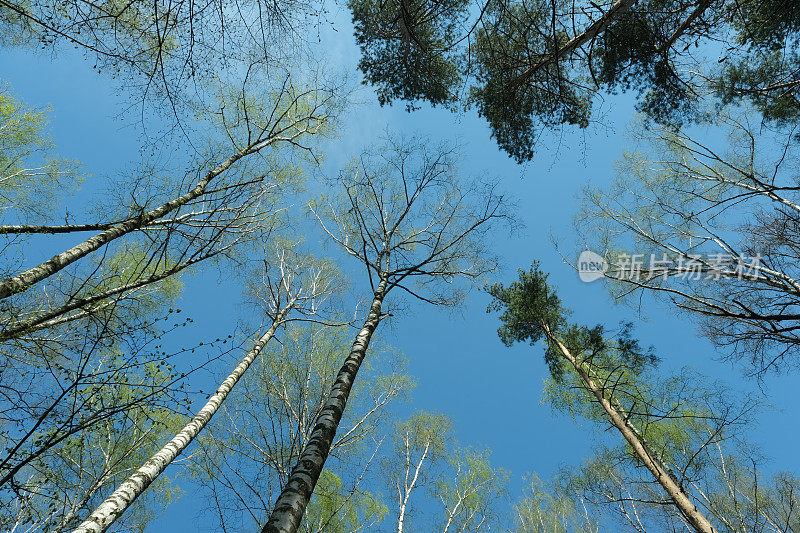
(292, 283)
(470, 495)
(541, 508)
(66, 466)
(405, 218)
(421, 441)
(86, 350)
(163, 54)
(30, 172)
(247, 457)
(61, 484)
(50, 366)
(714, 225)
(251, 126)
(70, 386)
(438, 485)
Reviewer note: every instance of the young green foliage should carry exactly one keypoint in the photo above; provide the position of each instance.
(31, 176)
(249, 451)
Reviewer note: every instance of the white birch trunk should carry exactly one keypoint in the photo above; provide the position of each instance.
(54, 316)
(408, 488)
(291, 504)
(116, 504)
(22, 281)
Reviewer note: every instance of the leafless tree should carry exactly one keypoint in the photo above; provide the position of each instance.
(714, 230)
(402, 214)
(292, 283)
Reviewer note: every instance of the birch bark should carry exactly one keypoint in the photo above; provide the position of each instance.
(288, 510)
(55, 316)
(116, 504)
(25, 279)
(409, 488)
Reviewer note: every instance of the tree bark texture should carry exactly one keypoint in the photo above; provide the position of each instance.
(25, 279)
(116, 504)
(291, 504)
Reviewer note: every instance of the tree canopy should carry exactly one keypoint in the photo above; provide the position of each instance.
(232, 279)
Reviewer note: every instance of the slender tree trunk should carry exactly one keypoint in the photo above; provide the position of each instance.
(408, 488)
(292, 502)
(701, 7)
(116, 504)
(52, 230)
(401, 518)
(22, 281)
(682, 501)
(452, 514)
(55, 317)
(75, 509)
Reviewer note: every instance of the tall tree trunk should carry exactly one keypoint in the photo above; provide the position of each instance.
(408, 488)
(699, 10)
(77, 506)
(292, 502)
(55, 316)
(682, 501)
(116, 504)
(23, 280)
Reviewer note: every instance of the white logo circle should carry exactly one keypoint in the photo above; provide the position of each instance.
(591, 266)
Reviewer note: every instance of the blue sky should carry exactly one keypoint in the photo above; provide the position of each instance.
(492, 393)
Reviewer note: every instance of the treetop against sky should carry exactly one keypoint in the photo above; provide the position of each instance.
(248, 251)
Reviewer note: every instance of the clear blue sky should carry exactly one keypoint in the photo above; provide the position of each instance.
(492, 392)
